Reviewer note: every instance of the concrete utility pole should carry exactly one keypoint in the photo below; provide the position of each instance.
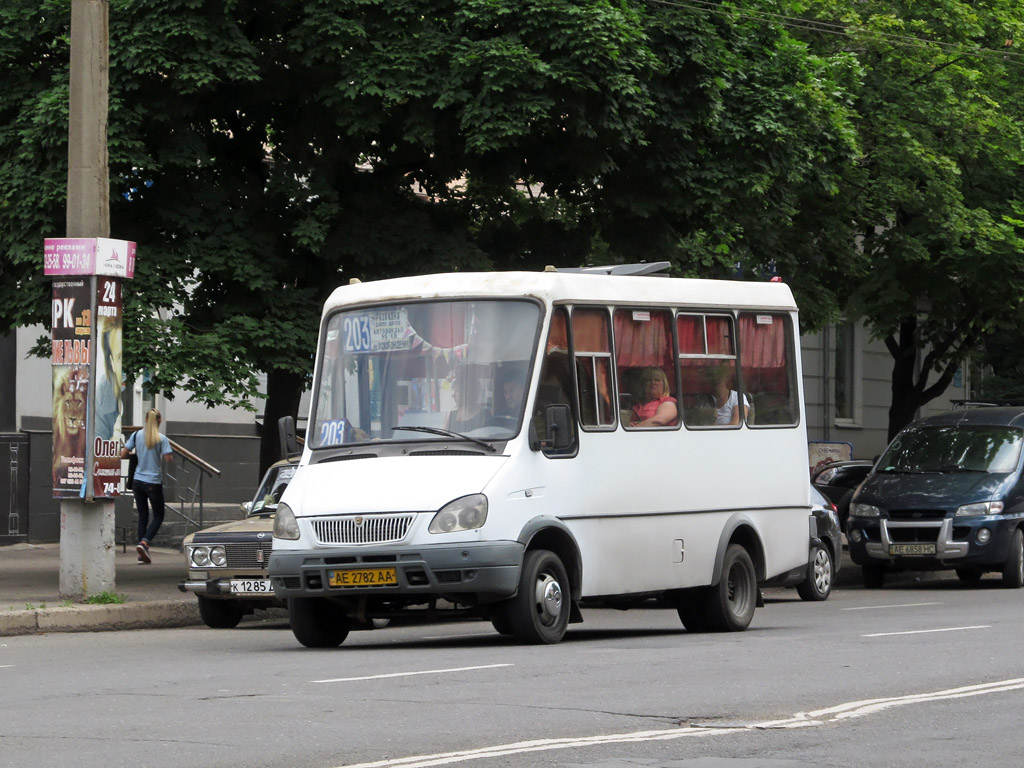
(87, 527)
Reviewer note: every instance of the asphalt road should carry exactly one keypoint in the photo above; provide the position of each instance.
(924, 674)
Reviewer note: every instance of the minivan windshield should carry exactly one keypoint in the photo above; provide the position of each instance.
(444, 369)
(963, 448)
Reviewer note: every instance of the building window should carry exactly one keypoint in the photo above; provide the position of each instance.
(847, 372)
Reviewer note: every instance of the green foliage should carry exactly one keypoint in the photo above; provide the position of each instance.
(106, 598)
(262, 152)
(935, 194)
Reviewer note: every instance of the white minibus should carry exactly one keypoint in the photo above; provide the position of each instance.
(519, 446)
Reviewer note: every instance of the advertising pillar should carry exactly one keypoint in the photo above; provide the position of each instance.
(86, 331)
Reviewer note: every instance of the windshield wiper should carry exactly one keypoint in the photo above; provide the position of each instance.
(449, 433)
(895, 471)
(955, 468)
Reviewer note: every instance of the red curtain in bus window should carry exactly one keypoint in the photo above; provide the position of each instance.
(558, 336)
(590, 331)
(720, 335)
(763, 352)
(643, 337)
(690, 329)
(590, 335)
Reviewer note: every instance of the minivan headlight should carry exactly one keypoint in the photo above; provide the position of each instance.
(463, 514)
(285, 524)
(980, 508)
(864, 510)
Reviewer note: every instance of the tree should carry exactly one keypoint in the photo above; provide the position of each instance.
(262, 151)
(937, 194)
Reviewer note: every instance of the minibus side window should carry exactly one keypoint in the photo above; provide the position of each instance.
(592, 350)
(555, 376)
(645, 368)
(707, 362)
(768, 367)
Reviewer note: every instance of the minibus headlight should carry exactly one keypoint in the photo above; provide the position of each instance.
(864, 510)
(200, 556)
(285, 524)
(464, 514)
(980, 508)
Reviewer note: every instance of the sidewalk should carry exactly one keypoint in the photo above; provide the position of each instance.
(30, 598)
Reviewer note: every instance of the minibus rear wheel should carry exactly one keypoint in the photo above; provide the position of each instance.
(539, 613)
(730, 603)
(317, 622)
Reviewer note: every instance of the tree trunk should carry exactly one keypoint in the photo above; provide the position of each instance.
(284, 389)
(905, 391)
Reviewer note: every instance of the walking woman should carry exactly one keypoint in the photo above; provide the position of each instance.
(148, 483)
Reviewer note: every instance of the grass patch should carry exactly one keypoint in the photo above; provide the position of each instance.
(106, 598)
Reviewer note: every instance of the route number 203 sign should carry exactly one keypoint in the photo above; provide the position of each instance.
(384, 330)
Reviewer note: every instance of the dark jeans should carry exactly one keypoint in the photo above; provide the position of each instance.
(146, 495)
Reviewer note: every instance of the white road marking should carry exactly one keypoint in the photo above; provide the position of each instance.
(876, 607)
(927, 631)
(847, 711)
(5, 666)
(410, 674)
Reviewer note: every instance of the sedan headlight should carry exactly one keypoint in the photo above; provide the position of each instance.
(464, 514)
(218, 557)
(864, 510)
(285, 524)
(826, 475)
(199, 556)
(980, 508)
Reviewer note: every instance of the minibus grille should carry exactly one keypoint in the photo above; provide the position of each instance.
(362, 529)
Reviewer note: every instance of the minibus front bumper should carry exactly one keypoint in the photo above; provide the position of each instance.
(480, 571)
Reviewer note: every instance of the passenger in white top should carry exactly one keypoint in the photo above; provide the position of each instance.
(726, 399)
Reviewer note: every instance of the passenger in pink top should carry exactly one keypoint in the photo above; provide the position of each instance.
(656, 407)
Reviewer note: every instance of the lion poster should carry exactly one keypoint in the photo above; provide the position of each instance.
(70, 362)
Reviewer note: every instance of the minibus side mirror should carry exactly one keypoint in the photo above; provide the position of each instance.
(558, 431)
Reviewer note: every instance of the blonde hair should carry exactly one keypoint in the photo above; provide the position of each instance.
(152, 433)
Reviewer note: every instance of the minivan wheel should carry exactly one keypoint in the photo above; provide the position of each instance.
(818, 584)
(1013, 570)
(872, 576)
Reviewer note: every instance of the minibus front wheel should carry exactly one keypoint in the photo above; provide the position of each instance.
(730, 603)
(317, 622)
(539, 613)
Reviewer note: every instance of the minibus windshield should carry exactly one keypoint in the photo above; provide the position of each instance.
(958, 448)
(456, 367)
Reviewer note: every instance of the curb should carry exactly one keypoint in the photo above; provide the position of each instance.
(153, 614)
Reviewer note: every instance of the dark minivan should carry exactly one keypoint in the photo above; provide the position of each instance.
(948, 493)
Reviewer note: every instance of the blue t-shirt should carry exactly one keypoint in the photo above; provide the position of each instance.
(149, 469)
